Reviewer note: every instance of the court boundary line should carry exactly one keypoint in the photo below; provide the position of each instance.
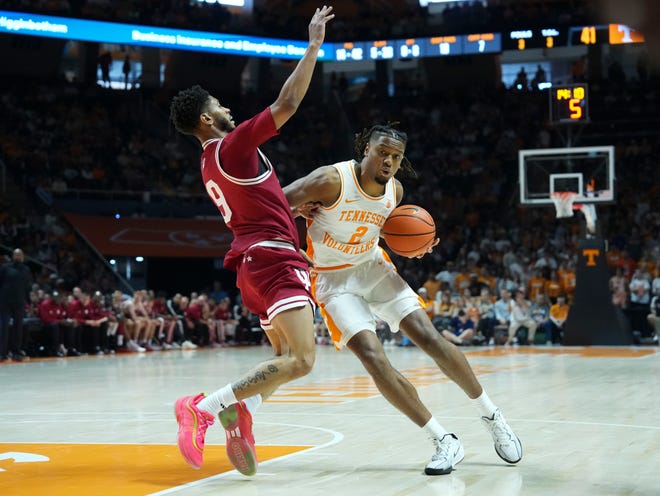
(337, 437)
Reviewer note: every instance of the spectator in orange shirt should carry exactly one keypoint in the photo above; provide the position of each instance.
(567, 278)
(427, 302)
(553, 286)
(554, 327)
(462, 280)
(487, 280)
(432, 286)
(613, 256)
(536, 284)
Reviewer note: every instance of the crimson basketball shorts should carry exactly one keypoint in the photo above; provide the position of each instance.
(273, 277)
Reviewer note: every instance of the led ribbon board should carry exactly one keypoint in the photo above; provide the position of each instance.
(133, 34)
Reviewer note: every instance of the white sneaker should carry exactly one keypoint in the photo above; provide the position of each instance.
(507, 444)
(176, 345)
(167, 346)
(448, 453)
(188, 345)
(133, 346)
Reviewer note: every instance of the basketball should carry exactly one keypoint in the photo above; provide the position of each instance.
(409, 230)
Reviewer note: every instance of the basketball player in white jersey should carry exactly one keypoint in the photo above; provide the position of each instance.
(354, 279)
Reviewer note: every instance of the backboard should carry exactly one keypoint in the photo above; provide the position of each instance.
(587, 171)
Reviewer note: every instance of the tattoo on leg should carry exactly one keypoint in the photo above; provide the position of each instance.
(259, 376)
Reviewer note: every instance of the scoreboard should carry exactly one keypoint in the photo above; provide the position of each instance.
(523, 39)
(437, 46)
(554, 36)
(544, 37)
(547, 37)
(569, 103)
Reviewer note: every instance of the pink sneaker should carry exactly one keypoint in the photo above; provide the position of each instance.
(193, 423)
(237, 422)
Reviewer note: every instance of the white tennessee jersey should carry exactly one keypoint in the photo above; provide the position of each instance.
(347, 233)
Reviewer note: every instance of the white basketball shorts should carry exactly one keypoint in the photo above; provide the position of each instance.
(352, 299)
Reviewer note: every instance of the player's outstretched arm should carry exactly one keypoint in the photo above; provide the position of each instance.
(296, 85)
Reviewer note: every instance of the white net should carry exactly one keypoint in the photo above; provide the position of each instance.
(589, 212)
(564, 203)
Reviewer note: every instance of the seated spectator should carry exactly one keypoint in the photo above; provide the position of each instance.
(103, 308)
(224, 324)
(146, 322)
(536, 284)
(521, 316)
(445, 310)
(553, 286)
(93, 325)
(427, 302)
(57, 323)
(177, 306)
(554, 327)
(248, 329)
(654, 317)
(640, 299)
(640, 289)
(197, 322)
(160, 312)
(502, 310)
(461, 331)
(487, 319)
(132, 324)
(541, 312)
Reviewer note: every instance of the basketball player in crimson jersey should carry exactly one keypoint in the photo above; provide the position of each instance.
(271, 270)
(353, 279)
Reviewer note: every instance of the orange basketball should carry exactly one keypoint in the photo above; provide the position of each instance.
(409, 230)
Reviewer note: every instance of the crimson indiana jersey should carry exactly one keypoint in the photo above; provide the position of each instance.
(255, 209)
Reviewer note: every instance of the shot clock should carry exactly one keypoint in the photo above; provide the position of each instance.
(569, 103)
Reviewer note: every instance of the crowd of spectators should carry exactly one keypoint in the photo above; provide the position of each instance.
(463, 144)
(59, 322)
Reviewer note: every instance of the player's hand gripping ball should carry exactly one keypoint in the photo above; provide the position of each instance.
(409, 231)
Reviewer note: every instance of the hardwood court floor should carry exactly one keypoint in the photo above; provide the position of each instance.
(588, 418)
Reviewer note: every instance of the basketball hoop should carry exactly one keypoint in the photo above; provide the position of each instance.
(563, 201)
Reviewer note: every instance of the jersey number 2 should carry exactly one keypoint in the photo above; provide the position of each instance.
(357, 235)
(218, 198)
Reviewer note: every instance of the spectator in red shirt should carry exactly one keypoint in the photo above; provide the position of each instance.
(92, 324)
(56, 322)
(224, 322)
(196, 323)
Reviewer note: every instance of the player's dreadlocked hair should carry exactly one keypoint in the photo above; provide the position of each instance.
(186, 108)
(361, 140)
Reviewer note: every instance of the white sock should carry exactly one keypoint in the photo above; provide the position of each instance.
(435, 429)
(219, 400)
(253, 403)
(485, 407)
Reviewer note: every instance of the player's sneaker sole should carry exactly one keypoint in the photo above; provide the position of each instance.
(237, 422)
